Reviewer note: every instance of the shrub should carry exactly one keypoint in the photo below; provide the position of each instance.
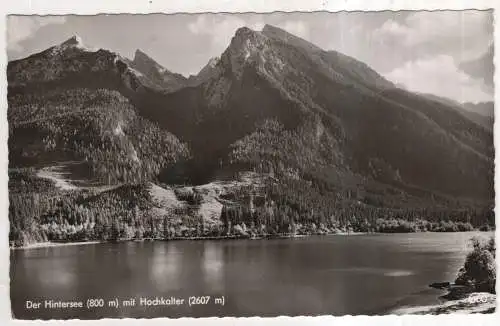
(485, 227)
(479, 268)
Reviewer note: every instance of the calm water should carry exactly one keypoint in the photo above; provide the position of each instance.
(363, 274)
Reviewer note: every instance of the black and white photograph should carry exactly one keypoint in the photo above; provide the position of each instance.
(251, 164)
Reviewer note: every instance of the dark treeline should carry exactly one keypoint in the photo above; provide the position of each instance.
(39, 212)
(292, 207)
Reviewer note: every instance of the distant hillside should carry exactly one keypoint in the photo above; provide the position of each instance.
(480, 113)
(482, 67)
(485, 108)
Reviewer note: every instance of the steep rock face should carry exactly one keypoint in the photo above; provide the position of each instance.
(161, 78)
(208, 71)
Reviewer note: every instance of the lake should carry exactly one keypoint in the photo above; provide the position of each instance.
(358, 274)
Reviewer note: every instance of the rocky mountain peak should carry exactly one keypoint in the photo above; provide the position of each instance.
(74, 43)
(154, 74)
(243, 32)
(140, 55)
(74, 40)
(144, 61)
(244, 48)
(247, 41)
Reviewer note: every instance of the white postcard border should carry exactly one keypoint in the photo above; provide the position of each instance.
(89, 7)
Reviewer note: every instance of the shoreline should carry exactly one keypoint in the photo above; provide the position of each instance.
(49, 244)
(460, 299)
(471, 303)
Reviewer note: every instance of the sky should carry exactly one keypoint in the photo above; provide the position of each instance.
(422, 51)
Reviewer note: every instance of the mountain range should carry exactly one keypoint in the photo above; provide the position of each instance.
(272, 103)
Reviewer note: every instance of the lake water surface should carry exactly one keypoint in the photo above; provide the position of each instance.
(334, 275)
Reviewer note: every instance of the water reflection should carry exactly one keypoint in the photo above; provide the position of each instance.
(165, 266)
(369, 270)
(213, 265)
(317, 275)
(56, 271)
(59, 274)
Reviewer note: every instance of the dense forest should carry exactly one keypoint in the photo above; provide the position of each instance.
(99, 127)
(41, 212)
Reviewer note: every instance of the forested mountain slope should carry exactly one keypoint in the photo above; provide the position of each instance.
(330, 143)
